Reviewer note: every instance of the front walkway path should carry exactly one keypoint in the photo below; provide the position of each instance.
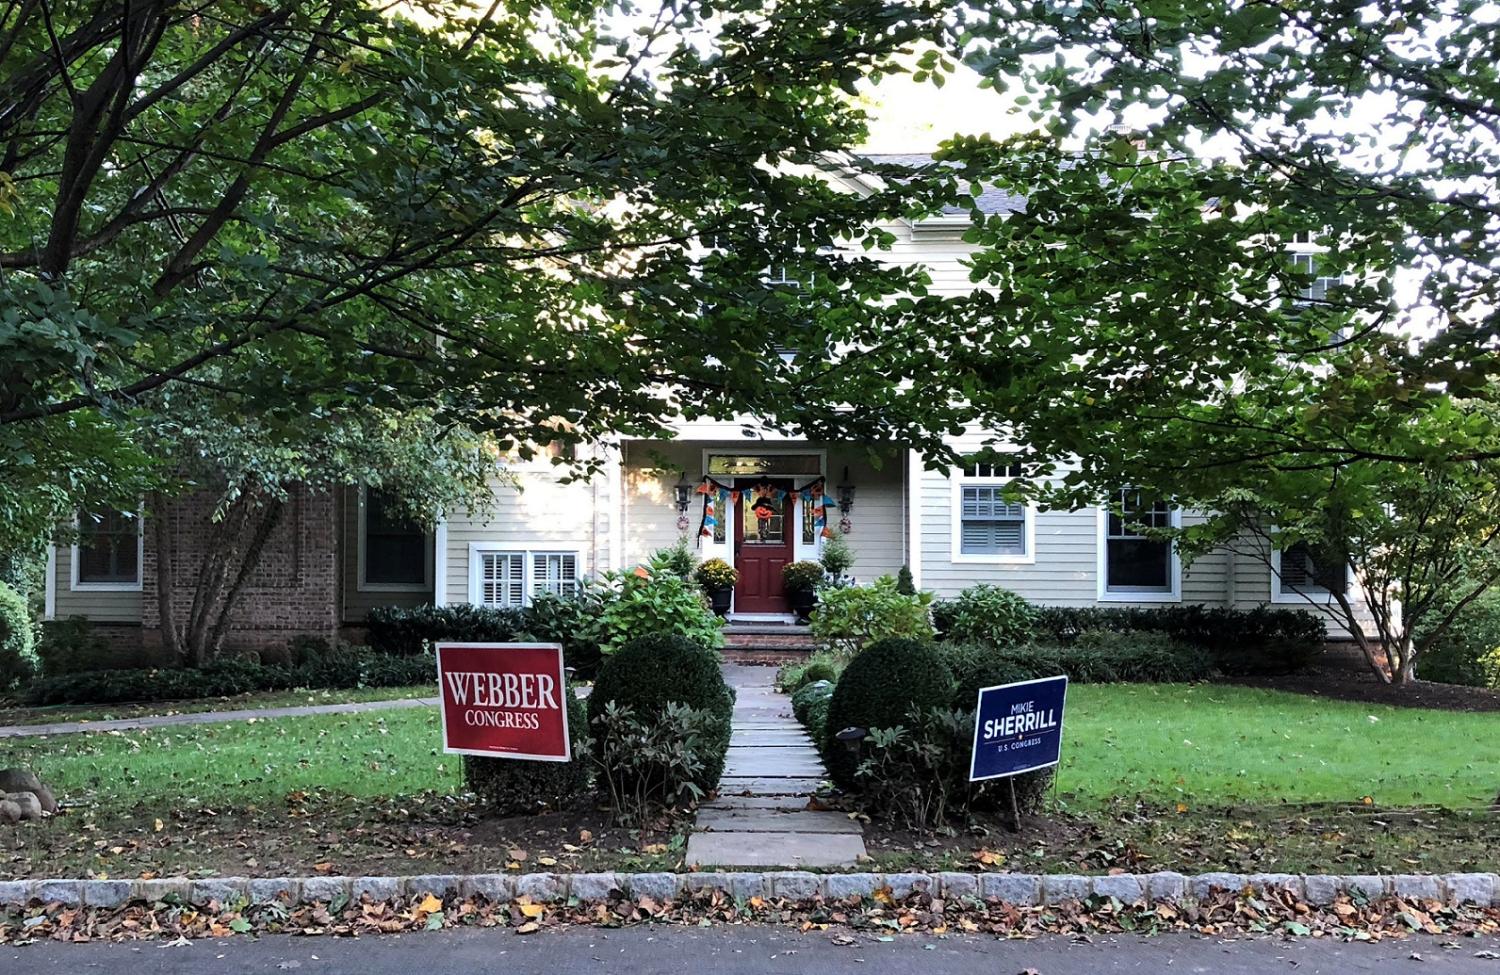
(761, 817)
(210, 717)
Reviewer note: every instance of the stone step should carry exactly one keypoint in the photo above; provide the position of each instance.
(769, 738)
(787, 850)
(758, 785)
(735, 803)
(773, 821)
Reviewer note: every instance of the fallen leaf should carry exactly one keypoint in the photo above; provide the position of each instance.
(533, 910)
(530, 927)
(430, 905)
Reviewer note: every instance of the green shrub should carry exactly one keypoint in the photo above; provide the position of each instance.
(715, 575)
(1141, 657)
(837, 556)
(807, 695)
(906, 584)
(798, 673)
(71, 645)
(1096, 657)
(677, 559)
(651, 671)
(815, 720)
(988, 614)
(407, 631)
(916, 773)
(847, 620)
(1238, 641)
(653, 760)
(342, 668)
(976, 665)
(577, 622)
(513, 786)
(655, 603)
(1468, 651)
(17, 641)
(803, 576)
(878, 688)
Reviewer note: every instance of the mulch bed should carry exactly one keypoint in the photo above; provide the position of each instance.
(1345, 682)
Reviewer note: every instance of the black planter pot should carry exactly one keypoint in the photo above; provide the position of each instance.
(803, 602)
(719, 599)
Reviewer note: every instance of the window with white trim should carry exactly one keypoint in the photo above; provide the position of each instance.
(989, 523)
(108, 552)
(506, 579)
(1135, 562)
(554, 572)
(1300, 572)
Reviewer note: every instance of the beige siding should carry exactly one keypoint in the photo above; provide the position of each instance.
(1252, 577)
(1063, 568)
(358, 602)
(534, 512)
(105, 606)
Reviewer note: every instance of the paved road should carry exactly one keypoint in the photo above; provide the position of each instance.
(747, 950)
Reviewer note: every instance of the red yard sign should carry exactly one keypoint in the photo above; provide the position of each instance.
(504, 700)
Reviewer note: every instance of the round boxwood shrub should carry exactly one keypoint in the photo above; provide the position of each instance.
(513, 786)
(988, 614)
(17, 650)
(809, 693)
(651, 671)
(877, 690)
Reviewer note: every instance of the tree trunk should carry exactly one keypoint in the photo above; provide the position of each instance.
(166, 577)
(270, 517)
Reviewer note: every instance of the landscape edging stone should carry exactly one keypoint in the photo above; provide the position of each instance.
(1024, 889)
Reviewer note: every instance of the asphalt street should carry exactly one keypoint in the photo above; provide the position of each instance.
(746, 950)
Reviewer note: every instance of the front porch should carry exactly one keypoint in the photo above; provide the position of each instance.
(762, 505)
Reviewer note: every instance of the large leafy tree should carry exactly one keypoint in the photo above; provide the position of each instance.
(1144, 323)
(524, 214)
(249, 467)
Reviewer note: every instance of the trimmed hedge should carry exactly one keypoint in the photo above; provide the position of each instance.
(1238, 641)
(650, 671)
(408, 631)
(1096, 657)
(879, 687)
(512, 786)
(353, 667)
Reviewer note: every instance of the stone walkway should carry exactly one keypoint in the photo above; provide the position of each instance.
(760, 818)
(210, 717)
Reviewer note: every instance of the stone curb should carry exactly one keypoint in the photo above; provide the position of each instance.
(1024, 889)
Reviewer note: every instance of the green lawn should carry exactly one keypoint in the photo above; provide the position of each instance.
(17, 714)
(1200, 744)
(1207, 743)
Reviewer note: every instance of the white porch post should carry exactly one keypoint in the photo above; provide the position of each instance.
(914, 516)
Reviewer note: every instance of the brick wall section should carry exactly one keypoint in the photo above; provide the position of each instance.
(292, 592)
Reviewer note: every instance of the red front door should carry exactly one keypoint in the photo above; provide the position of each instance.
(763, 545)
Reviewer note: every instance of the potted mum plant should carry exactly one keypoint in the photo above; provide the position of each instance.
(717, 578)
(801, 581)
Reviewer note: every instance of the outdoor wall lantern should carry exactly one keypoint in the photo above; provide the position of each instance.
(682, 494)
(846, 503)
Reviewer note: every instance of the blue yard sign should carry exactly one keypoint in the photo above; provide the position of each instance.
(1018, 728)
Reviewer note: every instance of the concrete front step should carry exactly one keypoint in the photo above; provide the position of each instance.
(730, 820)
(787, 849)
